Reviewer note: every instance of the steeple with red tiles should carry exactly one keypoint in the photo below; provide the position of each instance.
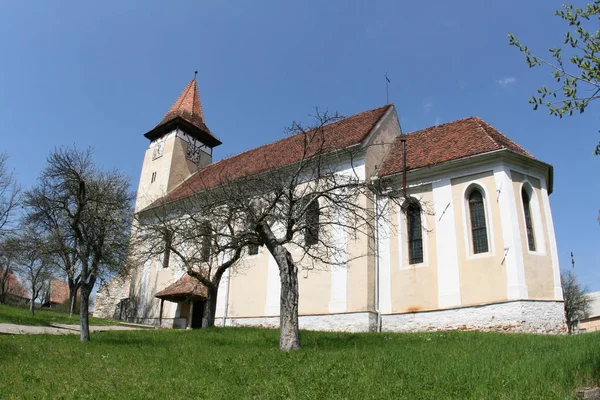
(187, 114)
(179, 145)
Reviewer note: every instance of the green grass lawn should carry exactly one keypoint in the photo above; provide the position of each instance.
(22, 316)
(234, 363)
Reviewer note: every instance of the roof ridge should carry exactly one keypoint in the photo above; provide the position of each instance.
(479, 121)
(443, 124)
(485, 126)
(214, 164)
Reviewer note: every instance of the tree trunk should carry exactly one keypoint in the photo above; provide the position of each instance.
(32, 306)
(210, 307)
(289, 332)
(84, 324)
(289, 336)
(72, 297)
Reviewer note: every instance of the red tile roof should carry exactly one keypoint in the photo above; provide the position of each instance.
(185, 288)
(446, 142)
(187, 107)
(340, 134)
(15, 288)
(59, 291)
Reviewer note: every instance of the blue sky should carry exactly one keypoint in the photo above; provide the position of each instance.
(103, 73)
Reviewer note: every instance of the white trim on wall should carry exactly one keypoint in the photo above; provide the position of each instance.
(558, 294)
(339, 269)
(222, 296)
(384, 252)
(446, 243)
(516, 287)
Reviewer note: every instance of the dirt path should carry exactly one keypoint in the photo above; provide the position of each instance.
(14, 329)
(57, 329)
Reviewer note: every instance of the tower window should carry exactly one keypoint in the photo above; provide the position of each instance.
(528, 223)
(478, 223)
(153, 178)
(415, 233)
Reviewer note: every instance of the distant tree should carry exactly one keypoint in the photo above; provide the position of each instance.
(61, 239)
(35, 267)
(9, 196)
(578, 77)
(95, 209)
(9, 252)
(576, 302)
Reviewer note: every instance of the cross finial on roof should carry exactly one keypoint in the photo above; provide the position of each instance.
(195, 73)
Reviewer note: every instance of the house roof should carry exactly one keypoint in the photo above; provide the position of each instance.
(15, 288)
(186, 288)
(186, 112)
(446, 142)
(59, 291)
(340, 134)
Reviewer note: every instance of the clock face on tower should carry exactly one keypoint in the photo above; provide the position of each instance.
(158, 150)
(195, 150)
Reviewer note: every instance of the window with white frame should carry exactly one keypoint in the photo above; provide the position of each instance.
(478, 223)
(526, 199)
(414, 231)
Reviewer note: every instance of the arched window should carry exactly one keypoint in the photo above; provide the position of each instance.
(311, 230)
(478, 224)
(415, 233)
(206, 240)
(528, 223)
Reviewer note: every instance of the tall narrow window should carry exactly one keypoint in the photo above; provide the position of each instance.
(415, 233)
(478, 225)
(206, 239)
(311, 231)
(528, 224)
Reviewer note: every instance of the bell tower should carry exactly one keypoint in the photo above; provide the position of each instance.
(179, 145)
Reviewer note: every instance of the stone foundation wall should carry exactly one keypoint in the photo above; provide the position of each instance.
(527, 316)
(347, 322)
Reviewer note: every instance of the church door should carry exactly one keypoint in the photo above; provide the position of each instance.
(197, 314)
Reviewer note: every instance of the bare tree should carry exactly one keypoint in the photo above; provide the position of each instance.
(9, 195)
(95, 207)
(34, 265)
(576, 301)
(9, 251)
(61, 240)
(303, 212)
(205, 238)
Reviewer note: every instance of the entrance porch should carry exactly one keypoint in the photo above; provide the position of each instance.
(190, 296)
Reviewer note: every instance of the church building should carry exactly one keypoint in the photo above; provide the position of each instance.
(477, 252)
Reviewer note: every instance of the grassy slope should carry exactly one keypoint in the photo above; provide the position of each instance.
(245, 363)
(22, 316)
